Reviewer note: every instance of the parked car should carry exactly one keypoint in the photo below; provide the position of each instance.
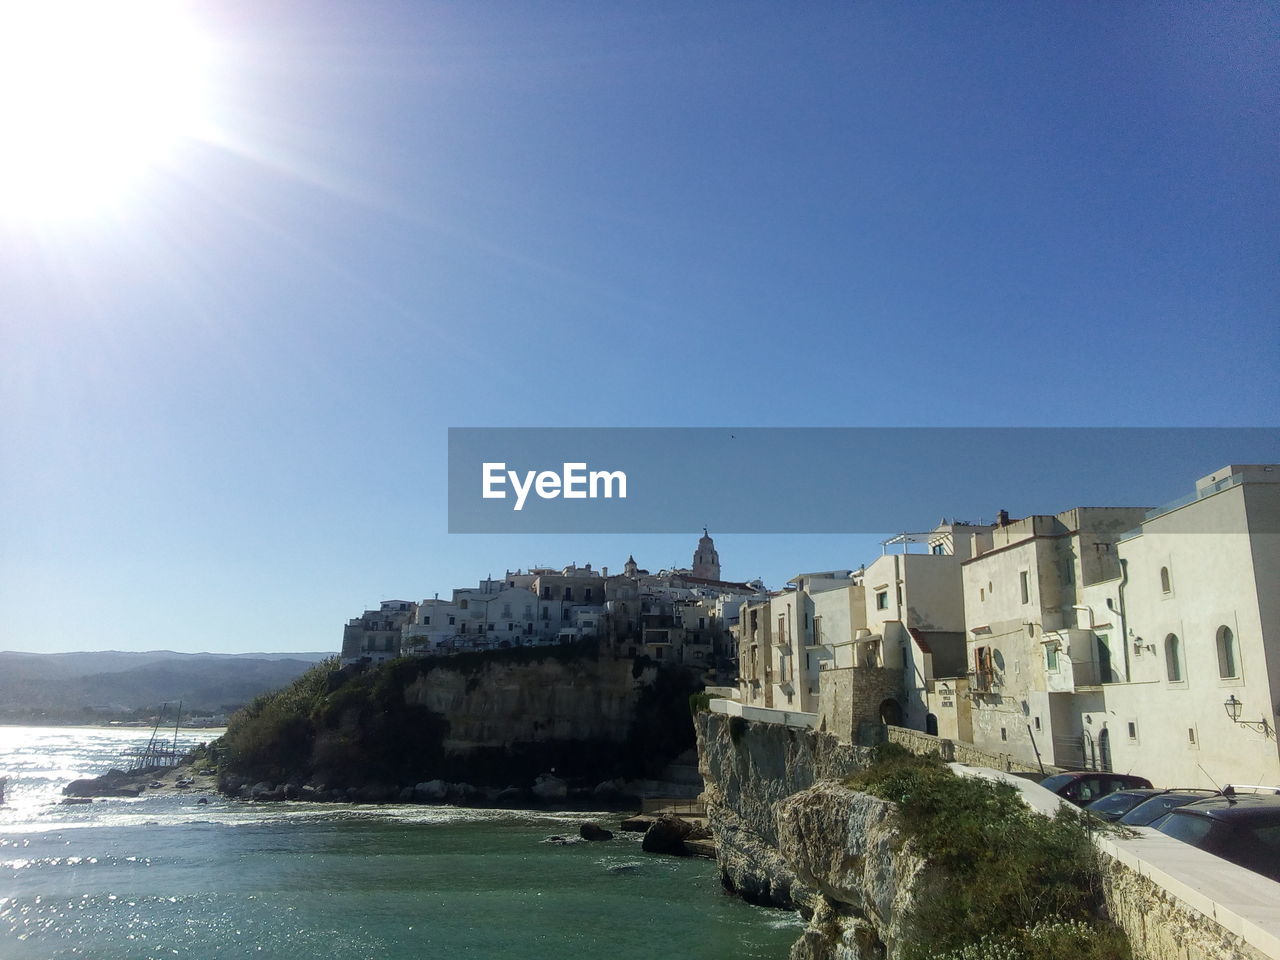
(1147, 812)
(1239, 827)
(1113, 806)
(1082, 787)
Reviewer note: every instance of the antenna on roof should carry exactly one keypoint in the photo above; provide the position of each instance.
(1211, 780)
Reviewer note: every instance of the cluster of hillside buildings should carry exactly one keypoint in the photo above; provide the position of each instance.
(1139, 640)
(1125, 638)
(674, 616)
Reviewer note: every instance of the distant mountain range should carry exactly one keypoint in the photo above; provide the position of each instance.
(116, 685)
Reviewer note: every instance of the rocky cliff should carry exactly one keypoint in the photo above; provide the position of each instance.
(487, 720)
(499, 702)
(790, 835)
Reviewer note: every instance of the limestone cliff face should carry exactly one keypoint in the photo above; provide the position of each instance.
(789, 834)
(749, 769)
(538, 702)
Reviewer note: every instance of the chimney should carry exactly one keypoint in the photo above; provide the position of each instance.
(1002, 518)
(604, 571)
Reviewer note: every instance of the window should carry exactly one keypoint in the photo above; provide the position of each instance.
(546, 613)
(586, 596)
(982, 593)
(1191, 734)
(1025, 582)
(506, 611)
(1166, 585)
(1228, 665)
(1172, 659)
(1037, 719)
(568, 593)
(939, 550)
(490, 628)
(463, 628)
(510, 627)
(452, 621)
(1004, 734)
(1133, 730)
(546, 593)
(983, 674)
(882, 600)
(426, 621)
(462, 605)
(1051, 657)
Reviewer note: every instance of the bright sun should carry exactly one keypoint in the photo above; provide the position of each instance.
(93, 93)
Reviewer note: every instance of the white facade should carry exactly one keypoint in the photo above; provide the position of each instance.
(1201, 627)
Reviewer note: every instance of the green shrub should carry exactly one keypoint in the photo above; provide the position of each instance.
(1004, 869)
(699, 702)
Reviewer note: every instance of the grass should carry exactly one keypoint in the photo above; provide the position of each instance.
(1014, 885)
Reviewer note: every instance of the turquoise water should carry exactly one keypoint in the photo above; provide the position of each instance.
(169, 877)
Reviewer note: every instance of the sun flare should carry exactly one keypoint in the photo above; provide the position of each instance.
(92, 95)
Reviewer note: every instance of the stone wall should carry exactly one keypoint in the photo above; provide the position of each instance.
(1171, 919)
(851, 696)
(959, 752)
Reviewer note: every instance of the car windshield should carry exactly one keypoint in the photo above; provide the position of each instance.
(1056, 782)
(1116, 804)
(1146, 813)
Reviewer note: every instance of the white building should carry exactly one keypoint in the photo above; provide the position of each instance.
(1192, 694)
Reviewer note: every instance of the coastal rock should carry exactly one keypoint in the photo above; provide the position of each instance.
(748, 769)
(548, 787)
(846, 845)
(376, 793)
(431, 791)
(113, 783)
(510, 797)
(607, 790)
(667, 835)
(593, 831)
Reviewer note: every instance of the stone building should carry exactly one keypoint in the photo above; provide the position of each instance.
(706, 562)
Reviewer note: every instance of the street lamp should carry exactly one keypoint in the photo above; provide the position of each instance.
(1233, 708)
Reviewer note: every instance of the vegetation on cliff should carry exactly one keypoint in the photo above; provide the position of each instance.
(356, 726)
(1016, 885)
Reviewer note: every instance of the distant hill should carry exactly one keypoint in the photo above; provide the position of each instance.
(113, 685)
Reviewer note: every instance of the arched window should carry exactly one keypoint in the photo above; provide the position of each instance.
(1172, 658)
(1228, 660)
(1166, 585)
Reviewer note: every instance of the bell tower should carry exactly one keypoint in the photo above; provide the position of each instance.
(706, 562)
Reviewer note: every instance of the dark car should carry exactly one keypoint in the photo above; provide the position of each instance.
(1242, 828)
(1082, 787)
(1161, 803)
(1113, 806)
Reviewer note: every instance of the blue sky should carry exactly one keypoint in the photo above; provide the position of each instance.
(225, 400)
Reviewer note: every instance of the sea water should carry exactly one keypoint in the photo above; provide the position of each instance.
(168, 876)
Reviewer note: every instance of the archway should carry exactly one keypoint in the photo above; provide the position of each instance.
(931, 725)
(1104, 749)
(891, 713)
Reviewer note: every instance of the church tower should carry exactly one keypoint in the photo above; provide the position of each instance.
(706, 562)
(629, 568)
